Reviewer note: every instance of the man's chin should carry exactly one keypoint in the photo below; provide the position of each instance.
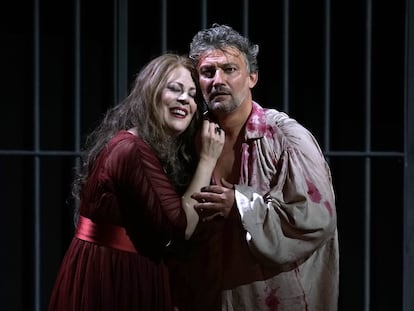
(216, 104)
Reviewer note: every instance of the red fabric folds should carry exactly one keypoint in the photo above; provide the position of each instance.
(130, 211)
(104, 234)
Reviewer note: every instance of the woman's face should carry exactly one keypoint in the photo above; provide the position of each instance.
(178, 101)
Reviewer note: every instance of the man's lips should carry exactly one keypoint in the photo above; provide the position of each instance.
(218, 96)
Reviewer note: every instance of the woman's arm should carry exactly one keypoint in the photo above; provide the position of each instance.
(212, 142)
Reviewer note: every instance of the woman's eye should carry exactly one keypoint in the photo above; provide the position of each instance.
(174, 88)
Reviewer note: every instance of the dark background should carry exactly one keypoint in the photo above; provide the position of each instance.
(341, 68)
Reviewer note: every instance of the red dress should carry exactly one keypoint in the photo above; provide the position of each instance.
(128, 198)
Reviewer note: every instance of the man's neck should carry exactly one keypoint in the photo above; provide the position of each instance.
(232, 123)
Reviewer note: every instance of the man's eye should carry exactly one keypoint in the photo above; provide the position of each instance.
(207, 73)
(230, 69)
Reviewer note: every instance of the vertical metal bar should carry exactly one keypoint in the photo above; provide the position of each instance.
(120, 49)
(77, 74)
(203, 13)
(77, 87)
(115, 53)
(164, 23)
(246, 17)
(286, 83)
(367, 218)
(36, 147)
(327, 75)
(408, 238)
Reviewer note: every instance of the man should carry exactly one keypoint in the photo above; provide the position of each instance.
(270, 217)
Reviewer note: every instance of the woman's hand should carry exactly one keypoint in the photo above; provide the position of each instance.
(211, 141)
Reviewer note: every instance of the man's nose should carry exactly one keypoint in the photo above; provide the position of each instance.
(218, 77)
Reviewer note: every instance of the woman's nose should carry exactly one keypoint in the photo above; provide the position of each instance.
(184, 96)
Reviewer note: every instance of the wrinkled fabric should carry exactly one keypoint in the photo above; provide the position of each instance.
(278, 249)
(104, 234)
(128, 189)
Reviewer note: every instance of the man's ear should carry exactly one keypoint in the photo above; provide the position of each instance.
(253, 78)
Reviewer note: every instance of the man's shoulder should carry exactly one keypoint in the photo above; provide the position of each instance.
(265, 110)
(268, 114)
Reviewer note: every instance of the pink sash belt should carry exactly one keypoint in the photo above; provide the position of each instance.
(104, 234)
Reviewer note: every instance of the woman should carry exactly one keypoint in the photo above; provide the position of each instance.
(137, 163)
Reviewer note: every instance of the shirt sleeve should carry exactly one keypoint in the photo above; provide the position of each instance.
(297, 214)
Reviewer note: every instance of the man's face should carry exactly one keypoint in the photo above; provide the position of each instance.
(224, 79)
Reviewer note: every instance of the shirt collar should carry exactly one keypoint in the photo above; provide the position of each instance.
(256, 123)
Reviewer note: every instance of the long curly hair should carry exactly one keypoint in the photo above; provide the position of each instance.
(140, 109)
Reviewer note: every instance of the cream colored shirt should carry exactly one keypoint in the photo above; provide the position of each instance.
(287, 205)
